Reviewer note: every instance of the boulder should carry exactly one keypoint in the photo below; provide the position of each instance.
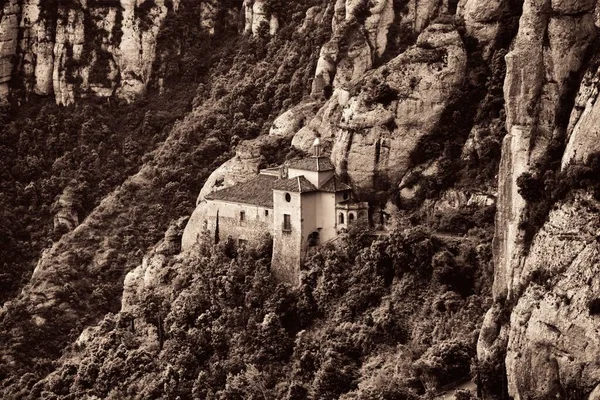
(291, 121)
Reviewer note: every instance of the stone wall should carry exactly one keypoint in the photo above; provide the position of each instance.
(258, 221)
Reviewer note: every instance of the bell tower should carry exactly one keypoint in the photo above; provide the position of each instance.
(317, 147)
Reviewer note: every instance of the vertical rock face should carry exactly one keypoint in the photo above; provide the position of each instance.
(549, 48)
(552, 335)
(9, 31)
(583, 135)
(374, 127)
(138, 47)
(78, 48)
(258, 15)
(550, 289)
(553, 339)
(37, 45)
(482, 20)
(360, 36)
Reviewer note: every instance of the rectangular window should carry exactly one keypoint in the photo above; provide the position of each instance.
(266, 213)
(287, 222)
(242, 216)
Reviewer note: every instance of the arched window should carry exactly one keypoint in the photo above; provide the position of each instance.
(351, 218)
(362, 214)
(288, 197)
(341, 218)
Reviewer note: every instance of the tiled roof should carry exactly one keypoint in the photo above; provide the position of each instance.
(335, 185)
(256, 191)
(298, 184)
(312, 164)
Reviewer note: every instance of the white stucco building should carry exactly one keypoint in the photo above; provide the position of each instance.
(302, 203)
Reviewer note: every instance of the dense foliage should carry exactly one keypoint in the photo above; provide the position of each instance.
(391, 318)
(397, 321)
(547, 184)
(44, 149)
(235, 87)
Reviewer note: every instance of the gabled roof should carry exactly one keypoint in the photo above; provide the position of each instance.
(334, 185)
(257, 191)
(298, 184)
(312, 164)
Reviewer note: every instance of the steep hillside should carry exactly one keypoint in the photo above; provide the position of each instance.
(397, 318)
(238, 90)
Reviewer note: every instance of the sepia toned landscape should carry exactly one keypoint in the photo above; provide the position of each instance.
(303, 199)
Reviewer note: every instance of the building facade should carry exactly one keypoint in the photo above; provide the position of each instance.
(300, 204)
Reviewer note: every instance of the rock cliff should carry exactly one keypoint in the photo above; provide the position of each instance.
(361, 36)
(583, 137)
(553, 336)
(547, 53)
(85, 48)
(258, 16)
(9, 26)
(375, 123)
(544, 291)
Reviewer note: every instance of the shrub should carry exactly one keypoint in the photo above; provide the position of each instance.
(594, 306)
(383, 94)
(444, 363)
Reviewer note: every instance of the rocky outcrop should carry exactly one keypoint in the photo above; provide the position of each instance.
(294, 119)
(58, 56)
(148, 275)
(238, 169)
(9, 31)
(547, 287)
(79, 48)
(257, 15)
(65, 210)
(583, 135)
(374, 126)
(550, 46)
(483, 21)
(349, 53)
(137, 48)
(553, 328)
(361, 36)
(37, 46)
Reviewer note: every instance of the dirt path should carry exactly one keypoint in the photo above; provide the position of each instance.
(449, 394)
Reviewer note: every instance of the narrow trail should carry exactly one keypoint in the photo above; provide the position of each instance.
(448, 394)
